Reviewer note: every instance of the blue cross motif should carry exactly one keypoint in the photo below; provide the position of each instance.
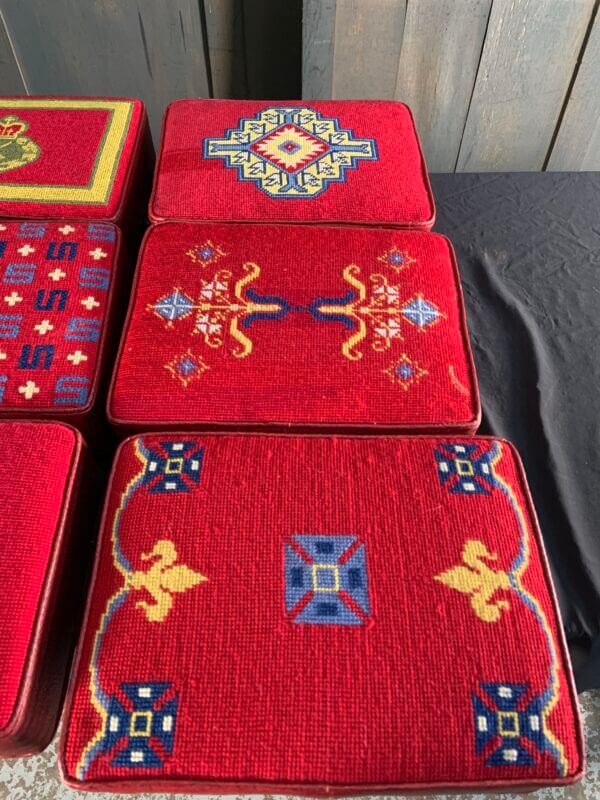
(187, 366)
(465, 469)
(142, 721)
(326, 581)
(206, 253)
(404, 371)
(173, 467)
(420, 312)
(173, 306)
(508, 732)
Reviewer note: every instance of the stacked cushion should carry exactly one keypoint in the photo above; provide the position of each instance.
(262, 611)
(72, 158)
(240, 326)
(41, 468)
(330, 162)
(57, 284)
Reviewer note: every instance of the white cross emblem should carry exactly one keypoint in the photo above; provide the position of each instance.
(29, 390)
(12, 299)
(97, 254)
(44, 326)
(90, 303)
(77, 357)
(26, 250)
(57, 274)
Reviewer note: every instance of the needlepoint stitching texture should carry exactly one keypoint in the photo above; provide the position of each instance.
(35, 468)
(262, 617)
(259, 324)
(55, 279)
(346, 162)
(66, 157)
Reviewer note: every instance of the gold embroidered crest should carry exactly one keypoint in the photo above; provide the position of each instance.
(16, 150)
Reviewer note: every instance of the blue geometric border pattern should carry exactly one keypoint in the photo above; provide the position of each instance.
(144, 723)
(290, 152)
(326, 581)
(462, 471)
(501, 726)
(176, 467)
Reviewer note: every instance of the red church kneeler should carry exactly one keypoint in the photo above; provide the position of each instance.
(241, 326)
(74, 158)
(58, 285)
(341, 162)
(41, 571)
(320, 616)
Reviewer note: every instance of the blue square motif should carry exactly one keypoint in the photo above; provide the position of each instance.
(326, 580)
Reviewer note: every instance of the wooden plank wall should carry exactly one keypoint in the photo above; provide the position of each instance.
(494, 84)
(140, 48)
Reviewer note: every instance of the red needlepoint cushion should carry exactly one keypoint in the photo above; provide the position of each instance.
(325, 162)
(67, 157)
(320, 616)
(243, 325)
(56, 287)
(40, 466)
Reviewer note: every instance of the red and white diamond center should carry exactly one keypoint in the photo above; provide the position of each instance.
(290, 147)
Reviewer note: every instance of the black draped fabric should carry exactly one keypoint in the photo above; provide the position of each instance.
(528, 247)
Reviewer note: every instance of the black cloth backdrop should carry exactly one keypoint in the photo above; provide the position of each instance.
(528, 247)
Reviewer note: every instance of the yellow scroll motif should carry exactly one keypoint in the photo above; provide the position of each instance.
(217, 308)
(479, 580)
(162, 579)
(376, 309)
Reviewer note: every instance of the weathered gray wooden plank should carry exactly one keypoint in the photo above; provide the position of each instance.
(368, 39)
(318, 30)
(225, 47)
(11, 79)
(440, 54)
(140, 48)
(577, 145)
(528, 58)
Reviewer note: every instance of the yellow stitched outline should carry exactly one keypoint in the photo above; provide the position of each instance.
(105, 166)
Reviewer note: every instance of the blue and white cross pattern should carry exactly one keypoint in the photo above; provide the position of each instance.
(143, 723)
(175, 305)
(173, 467)
(420, 312)
(465, 468)
(326, 580)
(507, 731)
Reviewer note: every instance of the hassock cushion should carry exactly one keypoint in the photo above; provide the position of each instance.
(320, 616)
(75, 158)
(343, 162)
(56, 290)
(40, 474)
(241, 325)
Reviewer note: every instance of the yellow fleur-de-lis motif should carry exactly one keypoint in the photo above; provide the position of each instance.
(162, 580)
(479, 580)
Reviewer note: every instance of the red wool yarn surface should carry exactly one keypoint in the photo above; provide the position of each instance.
(40, 471)
(242, 326)
(56, 295)
(70, 157)
(324, 162)
(320, 616)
